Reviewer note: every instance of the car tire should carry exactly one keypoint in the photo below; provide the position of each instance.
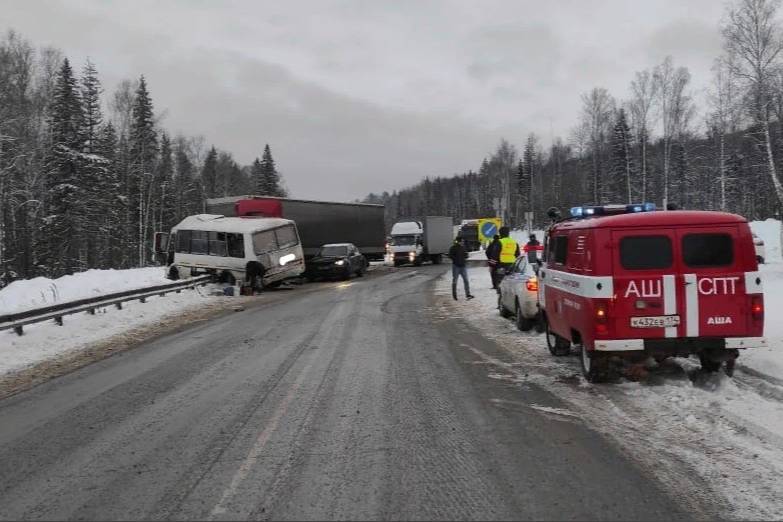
(436, 259)
(173, 273)
(558, 346)
(523, 323)
(504, 313)
(760, 260)
(593, 365)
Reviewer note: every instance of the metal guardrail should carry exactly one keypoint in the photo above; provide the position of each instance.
(17, 321)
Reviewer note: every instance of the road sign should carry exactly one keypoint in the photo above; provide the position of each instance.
(487, 228)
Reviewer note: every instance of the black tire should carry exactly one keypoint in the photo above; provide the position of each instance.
(558, 346)
(255, 276)
(418, 261)
(760, 260)
(523, 323)
(540, 323)
(504, 313)
(173, 273)
(227, 278)
(593, 365)
(436, 259)
(362, 268)
(708, 364)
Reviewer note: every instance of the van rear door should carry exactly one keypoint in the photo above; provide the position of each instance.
(716, 302)
(646, 304)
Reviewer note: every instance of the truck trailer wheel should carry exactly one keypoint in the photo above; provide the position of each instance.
(436, 259)
(558, 346)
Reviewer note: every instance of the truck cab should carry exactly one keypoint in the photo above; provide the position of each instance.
(632, 282)
(406, 244)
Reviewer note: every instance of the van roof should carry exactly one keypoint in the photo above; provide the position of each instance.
(654, 219)
(238, 225)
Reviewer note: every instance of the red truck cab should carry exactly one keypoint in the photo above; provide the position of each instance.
(633, 282)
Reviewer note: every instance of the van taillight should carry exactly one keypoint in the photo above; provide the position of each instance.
(757, 308)
(532, 284)
(601, 319)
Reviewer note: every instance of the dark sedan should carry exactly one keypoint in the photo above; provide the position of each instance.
(337, 260)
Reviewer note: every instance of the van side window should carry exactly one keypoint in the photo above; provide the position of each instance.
(236, 245)
(217, 244)
(286, 236)
(705, 250)
(646, 252)
(199, 242)
(264, 242)
(560, 249)
(183, 241)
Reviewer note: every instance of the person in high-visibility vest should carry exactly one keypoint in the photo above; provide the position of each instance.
(509, 250)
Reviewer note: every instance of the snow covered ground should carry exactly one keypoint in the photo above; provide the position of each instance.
(44, 341)
(678, 422)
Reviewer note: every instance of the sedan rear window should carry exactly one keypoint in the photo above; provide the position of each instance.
(646, 252)
(706, 250)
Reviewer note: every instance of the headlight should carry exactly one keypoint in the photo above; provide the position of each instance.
(412, 256)
(339, 262)
(286, 259)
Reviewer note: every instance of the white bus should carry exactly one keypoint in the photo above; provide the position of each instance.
(249, 251)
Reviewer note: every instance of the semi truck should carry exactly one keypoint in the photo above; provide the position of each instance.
(319, 222)
(420, 239)
(469, 230)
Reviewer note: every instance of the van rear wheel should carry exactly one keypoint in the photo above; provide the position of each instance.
(593, 365)
(708, 364)
(556, 344)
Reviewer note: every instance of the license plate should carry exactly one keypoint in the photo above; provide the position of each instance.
(661, 321)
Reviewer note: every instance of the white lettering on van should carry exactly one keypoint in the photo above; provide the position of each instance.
(718, 285)
(719, 320)
(649, 288)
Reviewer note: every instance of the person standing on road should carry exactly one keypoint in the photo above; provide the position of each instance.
(532, 248)
(493, 259)
(459, 267)
(509, 249)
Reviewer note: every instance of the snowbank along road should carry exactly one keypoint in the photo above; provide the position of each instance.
(362, 400)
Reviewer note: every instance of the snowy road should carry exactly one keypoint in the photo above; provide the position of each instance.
(357, 400)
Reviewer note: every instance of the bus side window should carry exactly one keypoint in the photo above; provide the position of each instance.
(236, 245)
(217, 244)
(183, 241)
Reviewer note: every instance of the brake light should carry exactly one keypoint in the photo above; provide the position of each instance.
(532, 284)
(757, 308)
(601, 319)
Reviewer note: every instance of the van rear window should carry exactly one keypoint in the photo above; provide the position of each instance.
(646, 252)
(705, 250)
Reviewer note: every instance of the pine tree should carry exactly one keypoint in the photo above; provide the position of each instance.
(187, 196)
(143, 151)
(63, 189)
(209, 173)
(270, 179)
(95, 206)
(110, 246)
(620, 185)
(91, 103)
(165, 179)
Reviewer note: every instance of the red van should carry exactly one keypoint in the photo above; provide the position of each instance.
(633, 282)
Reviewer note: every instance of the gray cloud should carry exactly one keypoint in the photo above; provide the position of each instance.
(358, 96)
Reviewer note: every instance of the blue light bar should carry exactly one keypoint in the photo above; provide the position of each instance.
(589, 211)
(634, 208)
(649, 207)
(577, 211)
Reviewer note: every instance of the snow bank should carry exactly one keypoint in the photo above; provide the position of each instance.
(41, 291)
(769, 231)
(769, 361)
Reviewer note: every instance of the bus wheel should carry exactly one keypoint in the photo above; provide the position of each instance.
(255, 275)
(227, 278)
(173, 273)
(593, 365)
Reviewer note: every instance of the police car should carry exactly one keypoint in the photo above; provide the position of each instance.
(630, 281)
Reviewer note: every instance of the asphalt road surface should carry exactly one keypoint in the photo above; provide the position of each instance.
(330, 401)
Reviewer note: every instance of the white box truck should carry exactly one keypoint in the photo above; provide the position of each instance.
(420, 239)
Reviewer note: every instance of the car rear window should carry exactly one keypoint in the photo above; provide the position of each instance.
(705, 250)
(646, 252)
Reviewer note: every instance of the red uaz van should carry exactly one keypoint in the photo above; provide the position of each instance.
(633, 282)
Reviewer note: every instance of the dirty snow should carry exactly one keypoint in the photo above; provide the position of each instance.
(681, 424)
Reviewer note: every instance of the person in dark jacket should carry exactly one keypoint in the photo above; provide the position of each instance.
(459, 267)
(532, 248)
(493, 259)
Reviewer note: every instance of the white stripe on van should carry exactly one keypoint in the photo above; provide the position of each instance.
(669, 302)
(691, 305)
(592, 287)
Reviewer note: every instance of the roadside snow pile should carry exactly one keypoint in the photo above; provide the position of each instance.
(769, 231)
(45, 341)
(41, 291)
(521, 236)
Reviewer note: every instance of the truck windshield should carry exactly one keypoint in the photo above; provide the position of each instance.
(403, 240)
(333, 251)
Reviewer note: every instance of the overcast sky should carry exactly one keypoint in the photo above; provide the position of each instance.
(359, 96)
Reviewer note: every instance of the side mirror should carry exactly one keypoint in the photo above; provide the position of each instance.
(160, 242)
